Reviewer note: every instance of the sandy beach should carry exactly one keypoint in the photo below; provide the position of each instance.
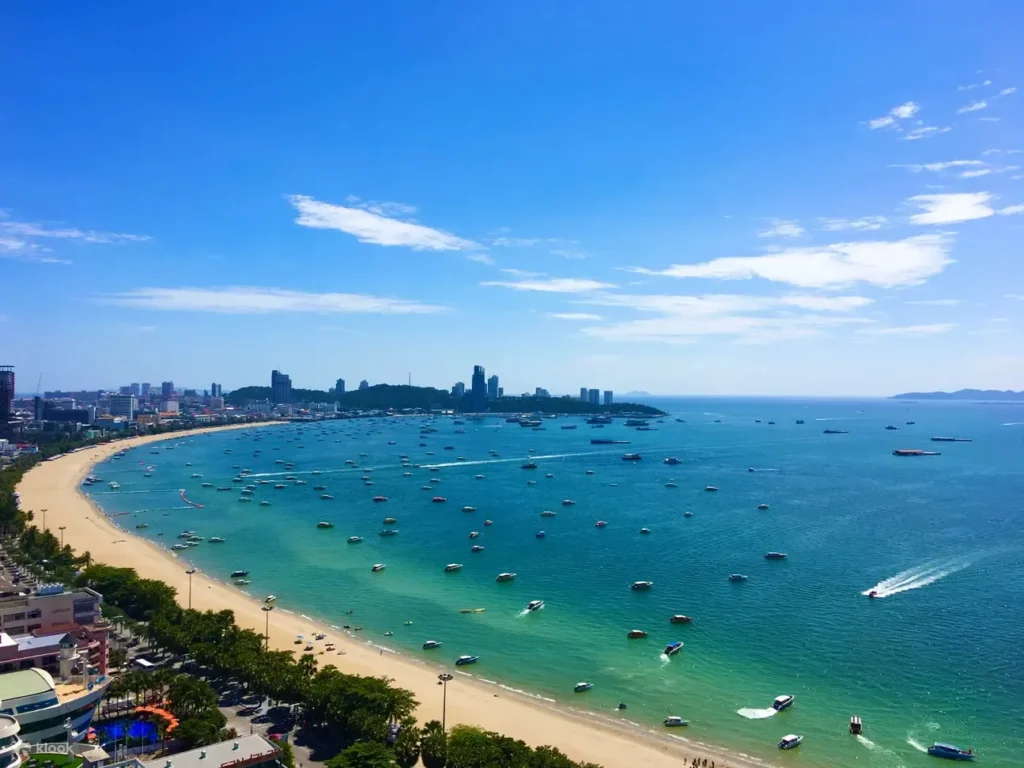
(55, 486)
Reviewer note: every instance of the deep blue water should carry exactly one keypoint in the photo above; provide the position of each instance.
(941, 537)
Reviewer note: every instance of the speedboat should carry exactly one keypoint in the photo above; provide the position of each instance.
(540, 534)
(354, 539)
(380, 498)
(774, 555)
(140, 526)
(216, 540)
(670, 484)
(680, 619)
(567, 502)
(474, 534)
(631, 457)
(600, 524)
(439, 499)
(529, 465)
(264, 503)
(390, 520)
(674, 721)
(645, 530)
(270, 598)
(505, 577)
(547, 513)
(790, 741)
(873, 593)
(641, 585)
(453, 567)
(476, 548)
(673, 648)
(326, 497)
(687, 513)
(635, 634)
(469, 509)
(432, 644)
(783, 702)
(672, 460)
(535, 605)
(488, 522)
(324, 524)
(464, 660)
(950, 752)
(389, 532)
(762, 506)
(856, 726)
(379, 567)
(239, 574)
(581, 687)
(710, 488)
(737, 577)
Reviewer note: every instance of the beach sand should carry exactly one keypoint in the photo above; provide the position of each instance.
(55, 486)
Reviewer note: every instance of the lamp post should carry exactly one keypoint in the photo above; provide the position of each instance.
(67, 734)
(443, 679)
(267, 609)
(190, 571)
(62, 536)
(44, 518)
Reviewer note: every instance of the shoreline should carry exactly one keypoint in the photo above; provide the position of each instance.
(583, 735)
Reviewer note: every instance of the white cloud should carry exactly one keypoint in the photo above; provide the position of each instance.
(883, 263)
(975, 173)
(782, 228)
(925, 131)
(241, 300)
(951, 208)
(567, 253)
(575, 316)
(521, 272)
(1014, 296)
(375, 226)
(26, 229)
(901, 112)
(909, 330)
(1011, 210)
(552, 285)
(974, 106)
(936, 302)
(938, 167)
(1007, 91)
(863, 224)
(481, 258)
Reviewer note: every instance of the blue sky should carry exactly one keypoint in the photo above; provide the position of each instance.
(759, 199)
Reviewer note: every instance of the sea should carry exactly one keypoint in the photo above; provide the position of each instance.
(936, 655)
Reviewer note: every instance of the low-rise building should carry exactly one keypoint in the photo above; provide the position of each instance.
(244, 752)
(53, 610)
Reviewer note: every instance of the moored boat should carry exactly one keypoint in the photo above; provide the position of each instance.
(774, 555)
(950, 752)
(674, 721)
(637, 586)
(354, 539)
(680, 619)
(505, 577)
(737, 577)
(582, 686)
(379, 567)
(430, 644)
(790, 741)
(635, 634)
(453, 567)
(324, 524)
(783, 702)
(464, 660)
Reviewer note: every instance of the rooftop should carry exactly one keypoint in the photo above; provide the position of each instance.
(244, 750)
(25, 682)
(33, 643)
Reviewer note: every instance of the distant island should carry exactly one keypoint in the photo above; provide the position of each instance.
(402, 397)
(964, 394)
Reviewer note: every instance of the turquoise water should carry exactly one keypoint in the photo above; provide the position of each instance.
(938, 659)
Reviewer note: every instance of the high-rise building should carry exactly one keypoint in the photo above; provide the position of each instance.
(608, 397)
(167, 389)
(458, 389)
(594, 397)
(146, 387)
(364, 384)
(125, 390)
(501, 391)
(492, 388)
(583, 394)
(339, 387)
(541, 392)
(136, 389)
(123, 405)
(479, 388)
(6, 396)
(216, 390)
(280, 387)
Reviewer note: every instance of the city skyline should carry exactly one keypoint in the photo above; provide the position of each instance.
(638, 202)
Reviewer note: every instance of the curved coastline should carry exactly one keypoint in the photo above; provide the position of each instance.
(582, 734)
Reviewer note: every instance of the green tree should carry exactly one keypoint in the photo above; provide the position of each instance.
(189, 697)
(363, 754)
(118, 657)
(197, 732)
(433, 745)
(407, 744)
(287, 756)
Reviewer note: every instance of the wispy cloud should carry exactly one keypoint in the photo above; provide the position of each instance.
(883, 263)
(521, 272)
(863, 224)
(972, 86)
(20, 239)
(242, 300)
(925, 132)
(570, 253)
(955, 207)
(20, 249)
(909, 330)
(1014, 296)
(1007, 91)
(890, 119)
(552, 285)
(936, 302)
(575, 316)
(974, 106)
(782, 228)
(481, 258)
(938, 167)
(377, 225)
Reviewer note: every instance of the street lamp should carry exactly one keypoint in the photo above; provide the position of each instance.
(190, 571)
(44, 518)
(62, 536)
(67, 734)
(267, 609)
(443, 680)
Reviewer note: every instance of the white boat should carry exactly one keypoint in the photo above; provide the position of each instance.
(354, 539)
(505, 577)
(264, 503)
(582, 686)
(453, 567)
(114, 485)
(535, 605)
(432, 644)
(216, 540)
(790, 741)
(379, 567)
(674, 721)
(270, 598)
(737, 577)
(641, 585)
(783, 702)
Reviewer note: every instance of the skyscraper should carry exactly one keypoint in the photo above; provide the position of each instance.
(458, 389)
(608, 397)
(339, 387)
(6, 396)
(167, 389)
(492, 388)
(136, 389)
(583, 394)
(594, 397)
(479, 388)
(123, 405)
(146, 387)
(280, 387)
(215, 390)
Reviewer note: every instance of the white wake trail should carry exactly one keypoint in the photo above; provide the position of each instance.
(915, 578)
